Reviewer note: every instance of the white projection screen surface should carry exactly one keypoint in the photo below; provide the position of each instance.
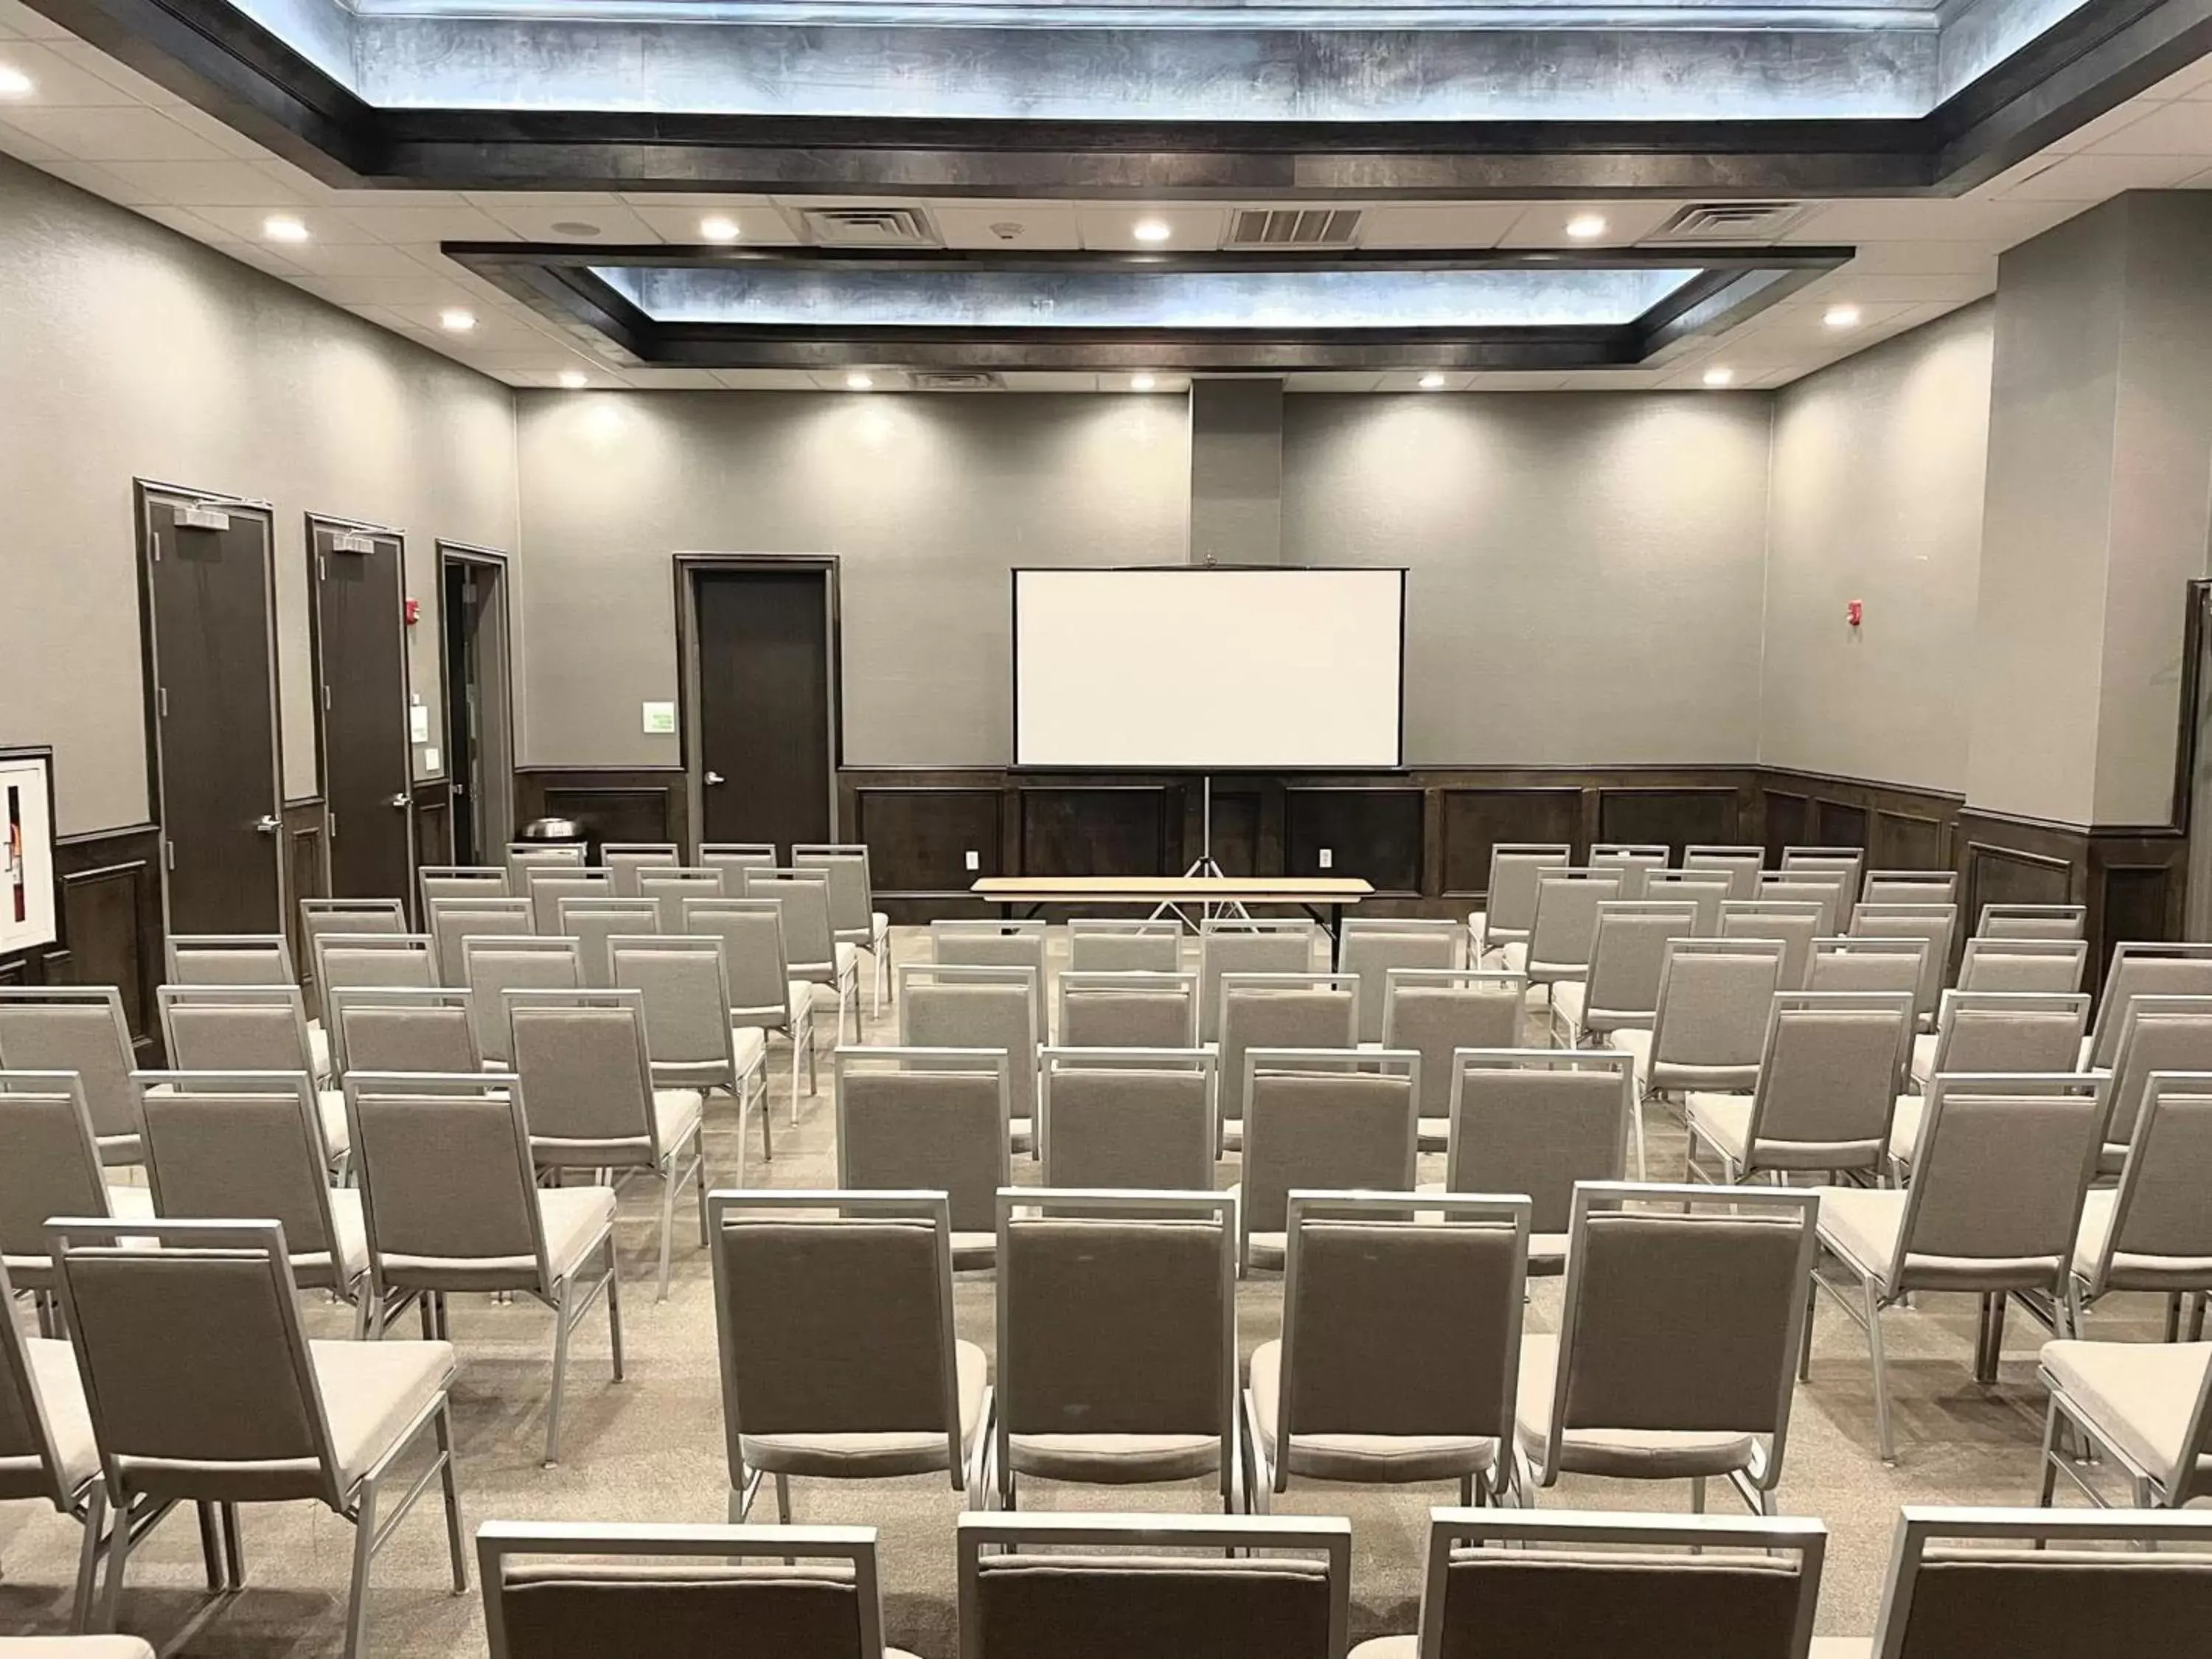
(1187, 666)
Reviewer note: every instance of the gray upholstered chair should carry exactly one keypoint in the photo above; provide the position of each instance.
(854, 918)
(1555, 1586)
(80, 1028)
(357, 960)
(832, 1311)
(1121, 945)
(1565, 929)
(1715, 996)
(2051, 965)
(670, 887)
(1740, 864)
(623, 860)
(1117, 1339)
(1125, 1010)
(1910, 887)
(397, 1029)
(1994, 1209)
(2162, 969)
(1509, 906)
(454, 921)
(691, 1047)
(229, 959)
(972, 943)
(494, 966)
(929, 1120)
(551, 1590)
(2001, 1032)
(1128, 1117)
(952, 1007)
(318, 916)
(1400, 1344)
(1635, 861)
(1100, 1584)
(2152, 1231)
(450, 1193)
(2147, 1405)
(1828, 1082)
(1627, 954)
(1541, 1121)
(201, 1385)
(592, 921)
(1227, 946)
(763, 996)
(1825, 887)
(248, 1028)
(1325, 1119)
(1864, 963)
(812, 952)
(1795, 922)
(1848, 862)
(2033, 922)
(1704, 890)
(1369, 947)
(51, 1163)
(1435, 1012)
(2159, 1034)
(733, 859)
(523, 856)
(1279, 1011)
(1937, 923)
(47, 1454)
(1680, 1332)
(546, 886)
(441, 881)
(585, 1070)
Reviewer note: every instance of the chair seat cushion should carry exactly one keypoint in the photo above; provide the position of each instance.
(2140, 1395)
(1632, 1454)
(802, 998)
(372, 1392)
(1387, 1647)
(2131, 1271)
(1514, 956)
(351, 1237)
(1723, 1120)
(848, 960)
(1377, 1459)
(1571, 998)
(876, 1456)
(1863, 1225)
(1435, 1134)
(575, 1219)
(1636, 1043)
(1923, 1058)
(61, 1395)
(1905, 1127)
(676, 1113)
(80, 1647)
(974, 1249)
(879, 925)
(748, 1049)
(319, 1049)
(330, 1106)
(1111, 1459)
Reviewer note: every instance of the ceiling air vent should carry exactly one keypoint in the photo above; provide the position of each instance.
(1730, 222)
(956, 380)
(869, 226)
(1294, 227)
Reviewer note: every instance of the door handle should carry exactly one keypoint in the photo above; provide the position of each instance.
(268, 823)
(401, 800)
(713, 778)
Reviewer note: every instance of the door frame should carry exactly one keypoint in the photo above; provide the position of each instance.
(687, 568)
(144, 492)
(452, 553)
(312, 522)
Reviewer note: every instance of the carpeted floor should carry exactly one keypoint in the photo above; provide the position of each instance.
(651, 1449)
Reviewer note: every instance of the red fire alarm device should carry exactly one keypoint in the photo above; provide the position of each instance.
(1854, 611)
(415, 612)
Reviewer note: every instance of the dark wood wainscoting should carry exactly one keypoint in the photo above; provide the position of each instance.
(434, 821)
(636, 803)
(110, 924)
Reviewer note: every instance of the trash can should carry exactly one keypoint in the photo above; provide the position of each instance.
(557, 832)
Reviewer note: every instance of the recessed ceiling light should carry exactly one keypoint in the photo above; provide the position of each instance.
(1586, 226)
(1432, 381)
(575, 228)
(1719, 376)
(574, 379)
(860, 379)
(1152, 230)
(1142, 383)
(1841, 317)
(14, 83)
(283, 228)
(719, 227)
(457, 321)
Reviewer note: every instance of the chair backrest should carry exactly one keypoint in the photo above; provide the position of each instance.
(1705, 890)
(449, 1188)
(2008, 1032)
(1910, 887)
(1539, 1121)
(1689, 1319)
(2161, 1233)
(1634, 862)
(1998, 1181)
(75, 1027)
(1510, 905)
(196, 1373)
(243, 1144)
(2023, 964)
(230, 959)
(1247, 947)
(455, 920)
(549, 1591)
(671, 887)
(356, 961)
(1282, 1010)
(956, 1006)
(1116, 944)
(1794, 922)
(30, 1463)
(1321, 1118)
(733, 859)
(2145, 969)
(584, 1066)
(1849, 862)
(1436, 1011)
(49, 1164)
(852, 904)
(445, 881)
(684, 997)
(2159, 1033)
(927, 1120)
(987, 944)
(2033, 922)
(547, 886)
(810, 950)
(1822, 887)
(1627, 954)
(1369, 948)
(1127, 1117)
(1101, 1584)
(1517, 1584)
(1741, 865)
(751, 933)
(624, 859)
(525, 855)
(349, 915)
(494, 966)
(1856, 963)
(2045, 1582)
(1126, 1011)
(1828, 1082)
(234, 1028)
(1714, 998)
(592, 921)
(398, 1028)
(1566, 921)
(1937, 923)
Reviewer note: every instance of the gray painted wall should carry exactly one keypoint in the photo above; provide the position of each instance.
(1877, 496)
(1586, 568)
(127, 350)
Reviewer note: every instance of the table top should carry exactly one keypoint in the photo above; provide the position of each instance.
(1290, 889)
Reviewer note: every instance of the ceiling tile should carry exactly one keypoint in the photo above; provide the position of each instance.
(319, 258)
(113, 135)
(1437, 224)
(138, 87)
(245, 224)
(19, 143)
(2101, 128)
(2182, 129)
(419, 288)
(537, 216)
(1038, 381)
(2091, 177)
(263, 259)
(100, 181)
(186, 222)
(1515, 380)
(1039, 224)
(18, 19)
(765, 380)
(669, 379)
(1112, 225)
(1544, 224)
(382, 220)
(759, 224)
(207, 184)
(59, 83)
(1614, 379)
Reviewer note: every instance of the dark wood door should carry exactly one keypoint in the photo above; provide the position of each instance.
(463, 758)
(764, 709)
(360, 658)
(212, 688)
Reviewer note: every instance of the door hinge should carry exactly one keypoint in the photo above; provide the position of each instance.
(155, 538)
(330, 825)
(168, 852)
(326, 695)
(322, 570)
(161, 701)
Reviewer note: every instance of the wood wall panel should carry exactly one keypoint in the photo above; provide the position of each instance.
(1243, 844)
(1116, 830)
(643, 803)
(433, 823)
(2009, 875)
(1473, 821)
(1907, 841)
(1673, 817)
(918, 838)
(1786, 819)
(108, 913)
(1372, 833)
(1839, 823)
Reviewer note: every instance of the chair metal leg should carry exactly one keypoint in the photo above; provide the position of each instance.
(1872, 1294)
(2173, 1333)
(118, 1556)
(429, 1316)
(233, 1545)
(614, 1308)
(783, 1499)
(1805, 1349)
(87, 1559)
(456, 1534)
(699, 1179)
(364, 1549)
(211, 1548)
(1640, 1172)
(1697, 1494)
(2050, 1457)
(2196, 1317)
(668, 1174)
(560, 1371)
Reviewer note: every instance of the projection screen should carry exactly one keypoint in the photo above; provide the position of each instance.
(1209, 669)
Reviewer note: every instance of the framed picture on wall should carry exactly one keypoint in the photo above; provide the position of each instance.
(28, 913)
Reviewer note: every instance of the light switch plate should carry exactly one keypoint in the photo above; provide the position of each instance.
(429, 760)
(974, 860)
(1328, 857)
(659, 719)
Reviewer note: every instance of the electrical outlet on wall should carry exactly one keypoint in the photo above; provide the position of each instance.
(1328, 857)
(974, 860)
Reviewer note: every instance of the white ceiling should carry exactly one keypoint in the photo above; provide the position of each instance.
(108, 130)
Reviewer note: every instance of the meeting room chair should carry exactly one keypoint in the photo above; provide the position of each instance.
(2147, 1406)
(1400, 1349)
(1435, 1012)
(525, 855)
(1825, 887)
(1634, 862)
(812, 954)
(453, 921)
(833, 1317)
(1710, 1031)
(450, 1193)
(584, 1590)
(201, 1386)
(1116, 1339)
(2033, 922)
(952, 1007)
(1539, 1121)
(1114, 944)
(1856, 963)
(929, 1119)
(2023, 964)
(583, 1060)
(1994, 1209)
(1564, 929)
(1125, 1010)
(546, 886)
(51, 1163)
(1910, 887)
(670, 887)
(443, 881)
(624, 860)
(494, 966)
(2158, 1034)
(1509, 907)
(349, 915)
(1938, 924)
(1270, 946)
(691, 1047)
(854, 918)
(1154, 1584)
(1679, 1331)
(763, 996)
(80, 1028)
(248, 1028)
(1849, 862)
(592, 921)
(1741, 865)
(347, 962)
(1794, 922)
(1705, 890)
(733, 859)
(1605, 1586)
(406, 1028)
(229, 959)
(970, 944)
(2143, 969)
(2152, 1232)
(1127, 1117)
(1989, 1034)
(1279, 1011)
(1369, 947)
(1627, 953)
(1829, 1078)
(1325, 1119)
